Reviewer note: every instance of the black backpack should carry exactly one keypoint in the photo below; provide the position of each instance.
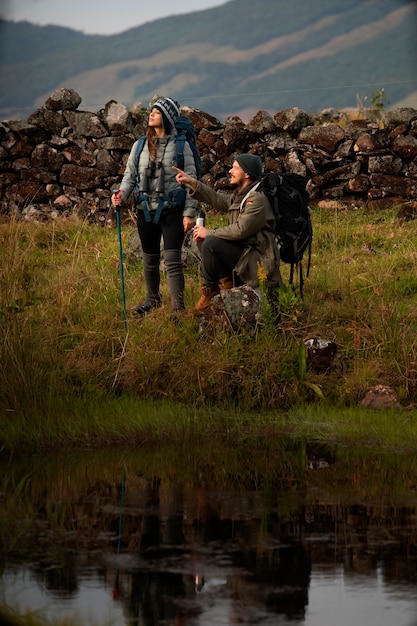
(289, 200)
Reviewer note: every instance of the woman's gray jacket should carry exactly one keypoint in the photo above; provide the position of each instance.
(166, 155)
(252, 222)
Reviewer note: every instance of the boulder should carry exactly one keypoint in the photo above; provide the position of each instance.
(63, 99)
(381, 397)
(234, 308)
(320, 353)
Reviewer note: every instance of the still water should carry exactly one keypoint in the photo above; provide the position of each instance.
(200, 538)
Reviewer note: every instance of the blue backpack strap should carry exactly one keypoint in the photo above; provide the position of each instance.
(179, 149)
(143, 199)
(179, 152)
(145, 209)
(142, 196)
(158, 211)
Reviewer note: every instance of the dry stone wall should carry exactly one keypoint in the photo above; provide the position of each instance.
(63, 159)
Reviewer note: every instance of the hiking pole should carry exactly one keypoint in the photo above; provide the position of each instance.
(122, 276)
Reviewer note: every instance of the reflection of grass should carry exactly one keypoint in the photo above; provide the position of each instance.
(70, 373)
(12, 617)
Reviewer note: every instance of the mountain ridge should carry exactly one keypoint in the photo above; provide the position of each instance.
(292, 55)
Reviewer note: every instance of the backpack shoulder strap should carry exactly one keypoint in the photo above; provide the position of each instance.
(139, 148)
(242, 204)
(179, 149)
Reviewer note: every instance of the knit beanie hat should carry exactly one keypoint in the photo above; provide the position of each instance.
(170, 111)
(251, 164)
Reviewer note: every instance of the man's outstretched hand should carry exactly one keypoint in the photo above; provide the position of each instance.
(184, 179)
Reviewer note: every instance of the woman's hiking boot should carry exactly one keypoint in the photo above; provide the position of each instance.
(145, 307)
(207, 294)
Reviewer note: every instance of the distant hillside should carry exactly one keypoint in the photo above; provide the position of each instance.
(233, 59)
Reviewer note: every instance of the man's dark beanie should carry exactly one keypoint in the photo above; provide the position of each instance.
(251, 164)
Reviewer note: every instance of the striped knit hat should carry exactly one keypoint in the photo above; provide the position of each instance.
(170, 111)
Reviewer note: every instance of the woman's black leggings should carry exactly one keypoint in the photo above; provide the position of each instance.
(169, 227)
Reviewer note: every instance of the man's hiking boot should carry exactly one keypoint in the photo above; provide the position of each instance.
(207, 294)
(226, 283)
(145, 307)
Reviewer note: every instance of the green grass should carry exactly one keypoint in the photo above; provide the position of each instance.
(71, 374)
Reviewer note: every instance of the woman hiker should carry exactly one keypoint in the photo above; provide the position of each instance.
(163, 209)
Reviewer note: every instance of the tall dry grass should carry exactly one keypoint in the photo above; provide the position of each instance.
(64, 349)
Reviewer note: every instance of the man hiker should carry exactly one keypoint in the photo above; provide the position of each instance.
(239, 252)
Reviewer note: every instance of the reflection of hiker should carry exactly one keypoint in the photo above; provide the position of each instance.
(150, 537)
(234, 252)
(163, 209)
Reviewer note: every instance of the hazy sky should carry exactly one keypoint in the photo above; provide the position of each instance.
(98, 16)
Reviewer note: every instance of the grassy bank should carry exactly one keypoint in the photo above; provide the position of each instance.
(70, 371)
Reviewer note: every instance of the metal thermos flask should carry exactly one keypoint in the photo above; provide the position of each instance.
(201, 218)
(200, 221)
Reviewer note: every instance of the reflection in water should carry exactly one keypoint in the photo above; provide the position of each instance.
(104, 540)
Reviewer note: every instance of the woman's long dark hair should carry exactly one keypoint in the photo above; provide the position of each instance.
(150, 138)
